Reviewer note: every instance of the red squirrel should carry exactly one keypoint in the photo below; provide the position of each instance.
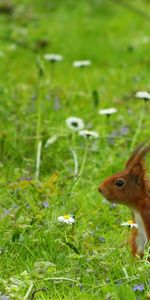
(131, 187)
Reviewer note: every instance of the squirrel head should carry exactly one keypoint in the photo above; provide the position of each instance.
(129, 186)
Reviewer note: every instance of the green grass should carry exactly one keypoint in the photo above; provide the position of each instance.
(40, 258)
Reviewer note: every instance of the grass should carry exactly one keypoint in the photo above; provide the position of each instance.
(40, 258)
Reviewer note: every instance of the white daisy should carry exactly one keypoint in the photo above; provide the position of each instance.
(75, 123)
(53, 57)
(143, 95)
(67, 219)
(81, 63)
(89, 134)
(130, 224)
(108, 111)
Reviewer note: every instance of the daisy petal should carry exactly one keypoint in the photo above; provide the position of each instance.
(107, 111)
(75, 123)
(143, 95)
(130, 224)
(88, 134)
(53, 57)
(67, 219)
(81, 63)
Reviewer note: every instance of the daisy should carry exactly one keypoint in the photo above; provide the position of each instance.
(143, 95)
(75, 123)
(88, 134)
(67, 219)
(81, 63)
(130, 224)
(108, 111)
(53, 57)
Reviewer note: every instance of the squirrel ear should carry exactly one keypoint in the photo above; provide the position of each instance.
(138, 155)
(137, 173)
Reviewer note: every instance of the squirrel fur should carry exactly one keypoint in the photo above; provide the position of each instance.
(131, 187)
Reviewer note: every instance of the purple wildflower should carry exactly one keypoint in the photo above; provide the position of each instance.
(6, 211)
(101, 239)
(119, 282)
(27, 205)
(113, 205)
(138, 287)
(124, 130)
(23, 178)
(45, 204)
(3, 297)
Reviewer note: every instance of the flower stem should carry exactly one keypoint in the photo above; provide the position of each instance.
(137, 132)
(82, 167)
(83, 160)
(38, 160)
(38, 139)
(75, 162)
(40, 72)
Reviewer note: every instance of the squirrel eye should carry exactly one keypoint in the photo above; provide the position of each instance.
(119, 182)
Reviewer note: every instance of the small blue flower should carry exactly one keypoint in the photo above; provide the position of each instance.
(3, 297)
(102, 239)
(27, 205)
(113, 205)
(119, 282)
(45, 204)
(138, 287)
(23, 178)
(6, 211)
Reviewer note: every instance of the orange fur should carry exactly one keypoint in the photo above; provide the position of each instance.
(131, 187)
(133, 243)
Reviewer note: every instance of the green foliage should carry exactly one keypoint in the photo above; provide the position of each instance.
(41, 258)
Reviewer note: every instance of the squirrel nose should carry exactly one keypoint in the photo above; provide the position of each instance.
(100, 189)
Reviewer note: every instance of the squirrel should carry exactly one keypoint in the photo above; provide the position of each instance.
(131, 187)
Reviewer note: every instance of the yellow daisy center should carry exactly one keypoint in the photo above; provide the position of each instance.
(66, 217)
(130, 222)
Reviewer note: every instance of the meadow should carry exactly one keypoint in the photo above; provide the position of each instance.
(47, 168)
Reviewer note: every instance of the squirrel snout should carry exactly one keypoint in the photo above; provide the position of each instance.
(100, 189)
